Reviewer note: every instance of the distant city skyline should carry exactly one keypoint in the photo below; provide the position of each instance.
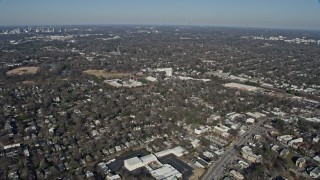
(284, 14)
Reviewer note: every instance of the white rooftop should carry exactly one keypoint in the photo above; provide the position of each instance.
(255, 114)
(114, 177)
(166, 172)
(152, 79)
(250, 120)
(148, 158)
(178, 151)
(133, 161)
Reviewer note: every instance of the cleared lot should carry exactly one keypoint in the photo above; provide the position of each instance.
(104, 74)
(23, 70)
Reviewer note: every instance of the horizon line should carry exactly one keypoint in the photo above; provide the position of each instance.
(159, 25)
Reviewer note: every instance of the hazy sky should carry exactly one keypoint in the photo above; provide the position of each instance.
(298, 14)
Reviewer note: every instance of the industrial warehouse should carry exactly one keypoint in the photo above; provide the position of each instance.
(154, 166)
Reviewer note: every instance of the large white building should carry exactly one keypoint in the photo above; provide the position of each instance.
(133, 163)
(152, 79)
(167, 70)
(255, 114)
(250, 120)
(201, 129)
(156, 168)
(148, 158)
(11, 146)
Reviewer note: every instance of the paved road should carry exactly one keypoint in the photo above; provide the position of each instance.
(215, 171)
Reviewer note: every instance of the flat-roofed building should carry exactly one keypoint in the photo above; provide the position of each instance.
(250, 120)
(113, 177)
(220, 129)
(255, 114)
(178, 151)
(11, 146)
(202, 129)
(166, 172)
(148, 158)
(168, 71)
(133, 163)
(247, 154)
(152, 79)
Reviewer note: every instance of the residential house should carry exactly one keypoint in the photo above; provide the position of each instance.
(301, 162)
(247, 154)
(315, 173)
(237, 175)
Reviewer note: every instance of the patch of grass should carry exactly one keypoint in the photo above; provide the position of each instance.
(23, 117)
(195, 121)
(143, 81)
(250, 83)
(290, 163)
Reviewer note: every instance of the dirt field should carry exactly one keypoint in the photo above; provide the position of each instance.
(197, 173)
(23, 70)
(104, 74)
